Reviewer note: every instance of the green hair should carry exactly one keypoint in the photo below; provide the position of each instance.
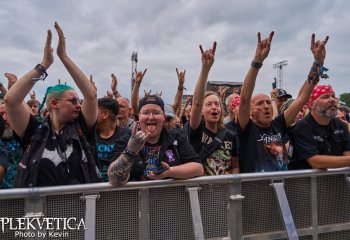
(57, 89)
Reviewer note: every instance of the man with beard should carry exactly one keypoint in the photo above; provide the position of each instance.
(124, 119)
(13, 148)
(154, 152)
(321, 140)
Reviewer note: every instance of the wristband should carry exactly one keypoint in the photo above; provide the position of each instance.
(42, 71)
(181, 88)
(256, 65)
(128, 152)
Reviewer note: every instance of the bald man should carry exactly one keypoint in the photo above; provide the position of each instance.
(261, 145)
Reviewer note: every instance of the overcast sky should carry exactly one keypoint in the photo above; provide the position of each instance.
(101, 35)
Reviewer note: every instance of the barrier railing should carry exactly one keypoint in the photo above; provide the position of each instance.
(309, 204)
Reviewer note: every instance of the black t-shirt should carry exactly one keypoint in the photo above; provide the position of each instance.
(232, 126)
(60, 163)
(262, 149)
(172, 148)
(220, 161)
(109, 149)
(309, 138)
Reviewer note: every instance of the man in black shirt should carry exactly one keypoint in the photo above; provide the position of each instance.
(261, 146)
(111, 139)
(321, 140)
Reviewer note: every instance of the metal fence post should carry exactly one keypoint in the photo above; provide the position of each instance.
(144, 229)
(196, 213)
(34, 208)
(234, 211)
(285, 210)
(90, 216)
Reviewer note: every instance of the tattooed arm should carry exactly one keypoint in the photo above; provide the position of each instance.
(119, 170)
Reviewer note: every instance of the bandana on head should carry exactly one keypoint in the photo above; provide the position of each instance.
(318, 91)
(235, 101)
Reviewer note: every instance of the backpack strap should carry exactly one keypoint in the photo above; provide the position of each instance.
(210, 148)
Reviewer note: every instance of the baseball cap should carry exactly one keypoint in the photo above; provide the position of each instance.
(151, 99)
(283, 94)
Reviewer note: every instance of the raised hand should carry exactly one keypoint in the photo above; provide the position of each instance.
(274, 94)
(32, 95)
(139, 76)
(61, 47)
(109, 95)
(11, 78)
(92, 82)
(48, 51)
(318, 49)
(181, 76)
(137, 140)
(223, 90)
(208, 56)
(147, 93)
(114, 83)
(262, 48)
(159, 93)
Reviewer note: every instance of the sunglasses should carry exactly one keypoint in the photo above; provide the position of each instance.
(73, 101)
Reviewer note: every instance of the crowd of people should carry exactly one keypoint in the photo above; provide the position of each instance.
(67, 140)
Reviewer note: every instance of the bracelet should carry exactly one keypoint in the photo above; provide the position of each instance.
(181, 88)
(256, 65)
(42, 71)
(128, 152)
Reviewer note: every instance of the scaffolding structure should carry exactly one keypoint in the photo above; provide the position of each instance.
(133, 68)
(280, 73)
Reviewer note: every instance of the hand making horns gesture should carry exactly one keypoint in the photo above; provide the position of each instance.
(208, 56)
(137, 140)
(139, 76)
(262, 48)
(181, 76)
(318, 49)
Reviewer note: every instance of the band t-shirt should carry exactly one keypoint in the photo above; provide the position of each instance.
(262, 149)
(172, 148)
(219, 162)
(60, 163)
(110, 148)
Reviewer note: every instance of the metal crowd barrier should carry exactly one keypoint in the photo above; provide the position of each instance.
(309, 204)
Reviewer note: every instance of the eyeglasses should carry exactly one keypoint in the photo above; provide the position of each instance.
(73, 101)
(154, 113)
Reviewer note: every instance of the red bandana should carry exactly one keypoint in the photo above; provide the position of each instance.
(318, 91)
(235, 101)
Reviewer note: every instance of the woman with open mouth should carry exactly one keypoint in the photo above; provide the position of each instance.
(216, 146)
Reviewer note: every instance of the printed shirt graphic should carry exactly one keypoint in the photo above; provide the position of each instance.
(53, 168)
(109, 149)
(151, 154)
(262, 149)
(276, 158)
(219, 162)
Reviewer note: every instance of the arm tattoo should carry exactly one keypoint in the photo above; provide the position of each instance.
(119, 170)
